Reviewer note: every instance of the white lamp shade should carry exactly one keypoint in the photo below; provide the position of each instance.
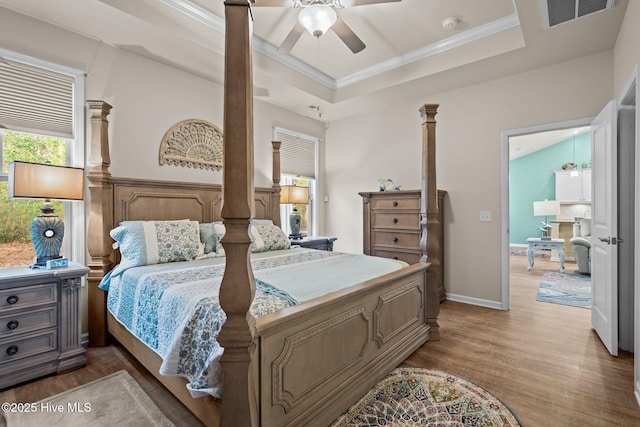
(546, 208)
(317, 19)
(42, 181)
(294, 194)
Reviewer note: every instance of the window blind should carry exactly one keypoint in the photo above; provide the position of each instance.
(297, 153)
(35, 100)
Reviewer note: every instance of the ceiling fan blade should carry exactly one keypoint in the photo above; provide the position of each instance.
(347, 35)
(292, 38)
(274, 3)
(351, 3)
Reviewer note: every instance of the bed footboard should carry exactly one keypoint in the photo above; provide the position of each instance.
(318, 359)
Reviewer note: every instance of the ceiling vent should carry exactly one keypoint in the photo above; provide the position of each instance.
(556, 12)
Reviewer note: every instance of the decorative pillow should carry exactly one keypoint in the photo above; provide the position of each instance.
(257, 244)
(273, 238)
(262, 221)
(208, 237)
(219, 229)
(157, 242)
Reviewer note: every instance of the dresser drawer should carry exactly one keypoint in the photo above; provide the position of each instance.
(408, 257)
(28, 345)
(401, 221)
(396, 203)
(396, 238)
(23, 322)
(28, 296)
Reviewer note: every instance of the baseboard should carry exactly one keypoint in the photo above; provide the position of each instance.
(475, 301)
(518, 245)
(637, 392)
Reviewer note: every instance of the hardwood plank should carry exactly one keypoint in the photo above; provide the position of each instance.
(541, 359)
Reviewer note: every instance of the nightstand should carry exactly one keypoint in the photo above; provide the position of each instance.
(315, 242)
(39, 322)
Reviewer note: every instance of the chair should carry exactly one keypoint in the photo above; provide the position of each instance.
(582, 245)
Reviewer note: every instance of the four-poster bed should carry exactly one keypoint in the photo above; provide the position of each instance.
(302, 365)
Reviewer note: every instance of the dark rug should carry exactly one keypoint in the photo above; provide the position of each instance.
(566, 289)
(427, 397)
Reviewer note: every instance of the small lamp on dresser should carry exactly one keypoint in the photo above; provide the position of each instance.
(292, 194)
(46, 181)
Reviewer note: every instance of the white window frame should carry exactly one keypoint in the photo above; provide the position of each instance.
(74, 221)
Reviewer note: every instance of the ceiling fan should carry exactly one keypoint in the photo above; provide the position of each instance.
(319, 16)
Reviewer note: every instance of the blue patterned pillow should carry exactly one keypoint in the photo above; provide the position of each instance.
(156, 242)
(272, 236)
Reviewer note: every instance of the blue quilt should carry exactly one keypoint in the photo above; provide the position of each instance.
(174, 307)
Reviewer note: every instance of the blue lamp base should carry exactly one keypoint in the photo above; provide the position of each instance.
(294, 223)
(47, 232)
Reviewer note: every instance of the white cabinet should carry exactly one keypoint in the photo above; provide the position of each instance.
(573, 186)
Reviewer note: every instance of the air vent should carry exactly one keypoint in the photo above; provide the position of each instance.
(556, 12)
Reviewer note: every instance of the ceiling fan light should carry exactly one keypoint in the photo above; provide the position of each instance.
(317, 19)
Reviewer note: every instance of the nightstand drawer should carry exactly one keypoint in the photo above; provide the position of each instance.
(403, 221)
(23, 322)
(27, 296)
(396, 203)
(396, 238)
(29, 345)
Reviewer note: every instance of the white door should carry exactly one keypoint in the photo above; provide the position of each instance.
(604, 227)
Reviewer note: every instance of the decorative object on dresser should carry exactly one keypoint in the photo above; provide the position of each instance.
(41, 311)
(45, 181)
(546, 208)
(193, 143)
(384, 183)
(294, 195)
(315, 242)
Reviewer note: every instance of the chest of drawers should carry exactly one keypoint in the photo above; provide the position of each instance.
(391, 226)
(39, 322)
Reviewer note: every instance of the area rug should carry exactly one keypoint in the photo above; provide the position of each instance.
(427, 397)
(114, 400)
(567, 289)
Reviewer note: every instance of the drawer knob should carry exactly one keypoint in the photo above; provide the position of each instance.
(12, 350)
(395, 240)
(13, 324)
(12, 299)
(395, 220)
(395, 257)
(395, 203)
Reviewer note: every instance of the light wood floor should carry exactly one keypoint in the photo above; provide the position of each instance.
(541, 359)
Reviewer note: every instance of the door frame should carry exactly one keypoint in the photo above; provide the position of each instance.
(504, 178)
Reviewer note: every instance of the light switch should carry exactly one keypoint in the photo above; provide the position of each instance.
(485, 216)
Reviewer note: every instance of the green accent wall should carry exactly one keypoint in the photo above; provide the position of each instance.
(532, 178)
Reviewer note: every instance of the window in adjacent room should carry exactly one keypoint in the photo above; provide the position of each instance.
(40, 121)
(298, 155)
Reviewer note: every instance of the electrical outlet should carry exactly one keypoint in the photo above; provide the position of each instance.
(485, 216)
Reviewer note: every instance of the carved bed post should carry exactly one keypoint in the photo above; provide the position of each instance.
(275, 202)
(100, 220)
(429, 222)
(240, 401)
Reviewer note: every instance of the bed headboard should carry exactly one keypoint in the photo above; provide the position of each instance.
(114, 200)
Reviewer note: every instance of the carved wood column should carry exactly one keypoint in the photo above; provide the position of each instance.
(100, 220)
(275, 202)
(429, 222)
(240, 403)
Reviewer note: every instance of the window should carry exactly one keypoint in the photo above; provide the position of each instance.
(298, 158)
(41, 119)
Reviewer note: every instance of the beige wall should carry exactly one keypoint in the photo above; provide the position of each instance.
(626, 54)
(387, 144)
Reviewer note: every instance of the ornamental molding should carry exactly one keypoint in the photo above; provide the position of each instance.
(192, 143)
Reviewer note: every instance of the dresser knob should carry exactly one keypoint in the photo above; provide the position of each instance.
(395, 220)
(395, 257)
(395, 240)
(395, 203)
(13, 324)
(12, 350)
(12, 299)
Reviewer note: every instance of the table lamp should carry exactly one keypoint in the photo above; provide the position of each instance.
(546, 208)
(45, 181)
(292, 194)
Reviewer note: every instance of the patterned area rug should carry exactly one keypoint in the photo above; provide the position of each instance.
(566, 289)
(427, 397)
